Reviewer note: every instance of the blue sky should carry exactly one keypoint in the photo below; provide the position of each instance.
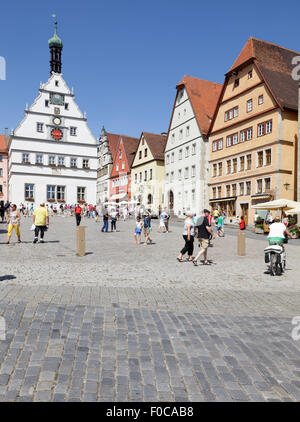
(125, 57)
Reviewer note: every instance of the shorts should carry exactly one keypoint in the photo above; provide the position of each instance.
(219, 228)
(203, 243)
(10, 229)
(275, 241)
(138, 231)
(146, 230)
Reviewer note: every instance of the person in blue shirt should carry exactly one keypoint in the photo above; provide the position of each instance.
(147, 228)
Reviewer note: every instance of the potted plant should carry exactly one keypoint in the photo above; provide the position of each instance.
(294, 232)
(259, 226)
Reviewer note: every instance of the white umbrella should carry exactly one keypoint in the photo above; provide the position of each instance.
(278, 204)
(123, 202)
(293, 211)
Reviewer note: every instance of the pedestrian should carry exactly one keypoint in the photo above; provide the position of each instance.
(242, 223)
(113, 220)
(165, 218)
(78, 212)
(13, 221)
(147, 228)
(216, 215)
(2, 211)
(138, 230)
(188, 236)
(96, 214)
(220, 226)
(203, 232)
(162, 227)
(41, 222)
(105, 222)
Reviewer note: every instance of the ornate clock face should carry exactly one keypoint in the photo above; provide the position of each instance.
(56, 134)
(57, 121)
(57, 99)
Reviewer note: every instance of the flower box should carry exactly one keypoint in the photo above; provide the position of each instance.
(52, 165)
(29, 199)
(61, 165)
(39, 164)
(61, 200)
(73, 167)
(50, 200)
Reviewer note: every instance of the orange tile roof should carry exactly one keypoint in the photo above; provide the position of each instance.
(204, 96)
(3, 144)
(130, 146)
(275, 65)
(157, 144)
(113, 141)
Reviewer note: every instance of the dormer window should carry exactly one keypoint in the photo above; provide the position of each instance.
(73, 131)
(236, 82)
(40, 127)
(66, 106)
(56, 83)
(46, 103)
(250, 74)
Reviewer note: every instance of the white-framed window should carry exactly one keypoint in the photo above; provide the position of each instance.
(172, 176)
(193, 149)
(39, 159)
(40, 127)
(249, 105)
(243, 136)
(29, 191)
(81, 193)
(226, 116)
(220, 144)
(51, 192)
(229, 141)
(135, 177)
(261, 129)
(186, 173)
(269, 126)
(187, 152)
(123, 165)
(145, 176)
(193, 196)
(179, 174)
(179, 115)
(73, 162)
(215, 145)
(167, 177)
(180, 134)
(85, 163)
(172, 157)
(236, 111)
(51, 159)
(167, 159)
(235, 138)
(73, 131)
(117, 167)
(150, 175)
(25, 157)
(180, 154)
(60, 193)
(120, 154)
(141, 176)
(187, 131)
(61, 161)
(249, 133)
(193, 171)
(173, 138)
(260, 99)
(1, 172)
(230, 114)
(242, 188)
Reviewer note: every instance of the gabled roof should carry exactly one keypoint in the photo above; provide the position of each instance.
(113, 141)
(3, 144)
(275, 65)
(204, 96)
(130, 146)
(157, 144)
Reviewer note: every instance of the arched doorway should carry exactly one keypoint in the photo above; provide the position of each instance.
(171, 200)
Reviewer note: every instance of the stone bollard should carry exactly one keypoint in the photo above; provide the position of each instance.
(241, 245)
(80, 241)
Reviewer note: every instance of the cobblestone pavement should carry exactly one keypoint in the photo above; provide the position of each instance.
(129, 322)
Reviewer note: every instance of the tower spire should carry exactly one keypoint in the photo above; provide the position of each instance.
(56, 46)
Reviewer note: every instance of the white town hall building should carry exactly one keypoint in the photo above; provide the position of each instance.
(52, 153)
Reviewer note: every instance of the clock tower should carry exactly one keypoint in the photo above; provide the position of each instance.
(56, 46)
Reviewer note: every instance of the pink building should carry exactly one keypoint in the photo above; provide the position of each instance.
(3, 169)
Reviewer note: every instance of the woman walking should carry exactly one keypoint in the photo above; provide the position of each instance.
(78, 212)
(13, 222)
(188, 235)
(138, 231)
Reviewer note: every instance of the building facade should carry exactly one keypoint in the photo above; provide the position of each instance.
(253, 136)
(186, 153)
(52, 152)
(147, 172)
(106, 149)
(3, 169)
(120, 179)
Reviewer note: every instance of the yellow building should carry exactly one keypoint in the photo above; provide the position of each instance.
(147, 171)
(253, 134)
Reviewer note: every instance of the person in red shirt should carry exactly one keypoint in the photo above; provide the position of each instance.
(242, 223)
(78, 212)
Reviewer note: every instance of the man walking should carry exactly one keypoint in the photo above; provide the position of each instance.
(41, 222)
(105, 222)
(203, 231)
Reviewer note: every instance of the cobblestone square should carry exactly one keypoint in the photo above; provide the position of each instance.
(130, 323)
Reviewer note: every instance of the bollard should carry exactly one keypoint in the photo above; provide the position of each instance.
(80, 241)
(241, 245)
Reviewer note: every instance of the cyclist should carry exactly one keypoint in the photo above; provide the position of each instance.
(277, 232)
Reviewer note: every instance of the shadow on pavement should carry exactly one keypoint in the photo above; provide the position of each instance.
(7, 277)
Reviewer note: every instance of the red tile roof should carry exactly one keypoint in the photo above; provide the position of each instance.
(275, 65)
(204, 96)
(3, 144)
(130, 146)
(157, 144)
(113, 141)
